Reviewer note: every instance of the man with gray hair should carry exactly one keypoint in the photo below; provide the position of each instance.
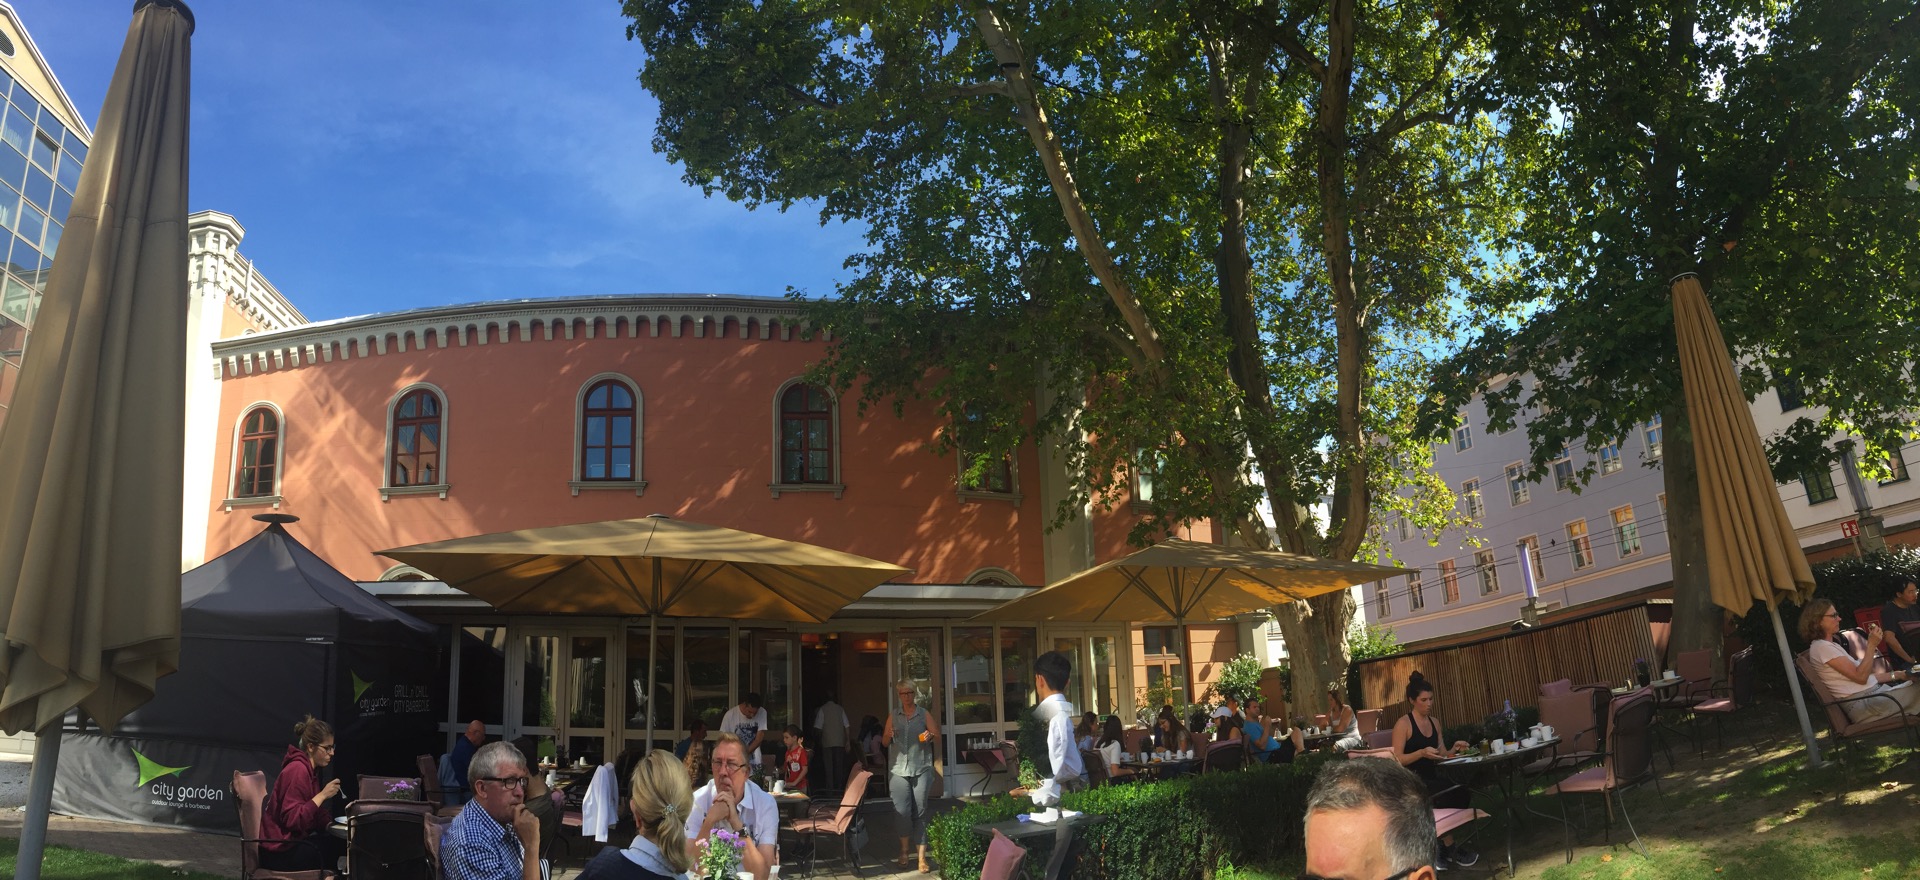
(494, 837)
(1368, 819)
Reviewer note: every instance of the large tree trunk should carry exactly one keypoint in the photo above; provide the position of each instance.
(1697, 622)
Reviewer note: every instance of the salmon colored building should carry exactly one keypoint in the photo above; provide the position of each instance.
(416, 426)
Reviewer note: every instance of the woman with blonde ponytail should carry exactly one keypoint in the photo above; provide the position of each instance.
(661, 801)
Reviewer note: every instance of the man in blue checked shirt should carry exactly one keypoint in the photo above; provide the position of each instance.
(494, 837)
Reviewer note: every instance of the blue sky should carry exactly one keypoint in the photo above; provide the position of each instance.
(391, 154)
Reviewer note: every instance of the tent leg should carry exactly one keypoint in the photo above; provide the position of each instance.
(1793, 683)
(33, 832)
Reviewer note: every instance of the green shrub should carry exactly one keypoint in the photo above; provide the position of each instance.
(1239, 678)
(1184, 827)
(1850, 582)
(1031, 740)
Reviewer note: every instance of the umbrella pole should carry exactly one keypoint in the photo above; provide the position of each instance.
(653, 644)
(33, 830)
(1793, 683)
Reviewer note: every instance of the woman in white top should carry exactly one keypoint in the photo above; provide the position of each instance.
(1847, 677)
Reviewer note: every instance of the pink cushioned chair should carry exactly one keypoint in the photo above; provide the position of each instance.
(250, 796)
(1557, 688)
(1628, 763)
(1724, 701)
(1003, 858)
(842, 824)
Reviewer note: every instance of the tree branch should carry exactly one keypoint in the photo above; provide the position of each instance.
(973, 90)
(1014, 69)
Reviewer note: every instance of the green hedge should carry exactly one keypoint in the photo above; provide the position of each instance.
(1850, 582)
(1184, 827)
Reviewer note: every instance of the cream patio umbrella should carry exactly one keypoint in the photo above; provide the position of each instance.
(1752, 552)
(91, 455)
(1179, 581)
(654, 566)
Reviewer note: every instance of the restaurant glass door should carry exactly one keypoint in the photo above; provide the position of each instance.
(561, 693)
(916, 655)
(1095, 683)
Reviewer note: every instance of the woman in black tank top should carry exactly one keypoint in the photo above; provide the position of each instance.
(1417, 746)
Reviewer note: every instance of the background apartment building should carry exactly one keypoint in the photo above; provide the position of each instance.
(1607, 541)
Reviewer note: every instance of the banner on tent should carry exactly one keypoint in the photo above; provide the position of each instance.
(153, 781)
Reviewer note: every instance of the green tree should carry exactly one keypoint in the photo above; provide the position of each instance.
(1221, 240)
(1766, 147)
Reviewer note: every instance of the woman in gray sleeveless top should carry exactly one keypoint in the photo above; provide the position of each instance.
(912, 735)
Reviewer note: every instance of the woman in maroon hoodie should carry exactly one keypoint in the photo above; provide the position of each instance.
(294, 826)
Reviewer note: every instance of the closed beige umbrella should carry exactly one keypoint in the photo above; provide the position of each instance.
(1752, 553)
(91, 455)
(653, 566)
(1179, 581)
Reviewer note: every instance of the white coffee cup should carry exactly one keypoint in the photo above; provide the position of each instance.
(1530, 742)
(1499, 746)
(1669, 674)
(779, 786)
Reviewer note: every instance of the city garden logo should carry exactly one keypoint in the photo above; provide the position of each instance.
(153, 776)
(403, 699)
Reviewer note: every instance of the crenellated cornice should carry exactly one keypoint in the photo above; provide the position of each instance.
(511, 322)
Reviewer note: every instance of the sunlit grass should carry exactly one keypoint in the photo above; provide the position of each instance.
(62, 863)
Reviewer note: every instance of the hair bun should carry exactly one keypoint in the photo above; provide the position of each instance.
(1416, 677)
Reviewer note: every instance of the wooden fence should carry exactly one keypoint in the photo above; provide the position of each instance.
(1474, 680)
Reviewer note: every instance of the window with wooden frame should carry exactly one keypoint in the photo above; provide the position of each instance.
(1626, 532)
(1519, 489)
(609, 435)
(419, 437)
(256, 472)
(1382, 599)
(1416, 599)
(1582, 544)
(1653, 432)
(1470, 493)
(1449, 582)
(1487, 568)
(980, 475)
(806, 436)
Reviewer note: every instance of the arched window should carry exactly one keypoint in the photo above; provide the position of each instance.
(806, 436)
(992, 478)
(419, 436)
(608, 435)
(256, 471)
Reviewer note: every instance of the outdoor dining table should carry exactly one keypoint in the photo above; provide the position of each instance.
(1479, 772)
(1018, 831)
(1153, 769)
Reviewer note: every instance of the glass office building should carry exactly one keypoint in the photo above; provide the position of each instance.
(39, 169)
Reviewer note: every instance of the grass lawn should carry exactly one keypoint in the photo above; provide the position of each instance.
(1729, 814)
(72, 864)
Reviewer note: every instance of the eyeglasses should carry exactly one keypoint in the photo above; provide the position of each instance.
(506, 781)
(1833, 614)
(1403, 875)
(906, 693)
(330, 748)
(720, 766)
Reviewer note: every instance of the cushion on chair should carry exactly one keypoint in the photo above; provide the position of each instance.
(1003, 858)
(1557, 688)
(1448, 819)
(1592, 779)
(1717, 704)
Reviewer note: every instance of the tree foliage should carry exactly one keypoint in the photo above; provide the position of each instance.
(1765, 146)
(1217, 242)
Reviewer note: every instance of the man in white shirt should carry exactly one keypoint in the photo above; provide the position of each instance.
(732, 801)
(1050, 671)
(833, 727)
(748, 722)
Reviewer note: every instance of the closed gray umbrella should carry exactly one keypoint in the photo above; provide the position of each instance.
(91, 455)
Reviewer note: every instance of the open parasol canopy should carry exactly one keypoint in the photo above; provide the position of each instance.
(1180, 581)
(653, 566)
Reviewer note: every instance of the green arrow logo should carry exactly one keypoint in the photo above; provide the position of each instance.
(360, 685)
(149, 771)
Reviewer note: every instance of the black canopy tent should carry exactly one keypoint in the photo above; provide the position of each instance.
(269, 633)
